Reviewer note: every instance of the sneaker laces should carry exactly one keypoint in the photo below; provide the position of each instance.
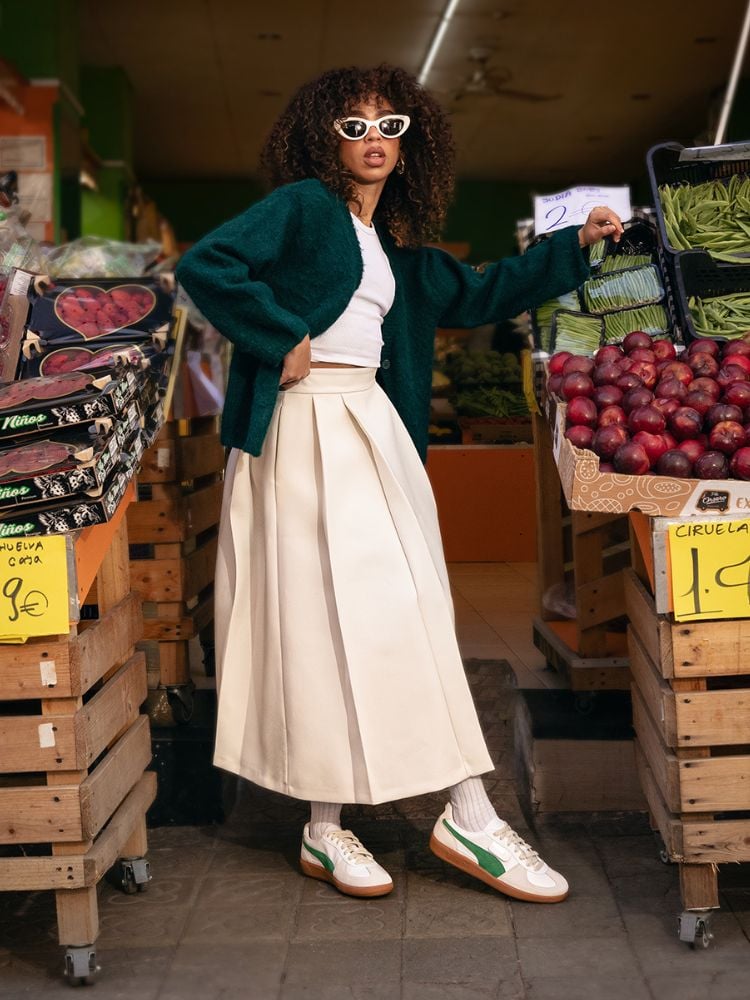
(523, 851)
(350, 846)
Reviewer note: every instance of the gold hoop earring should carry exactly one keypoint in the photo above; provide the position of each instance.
(400, 164)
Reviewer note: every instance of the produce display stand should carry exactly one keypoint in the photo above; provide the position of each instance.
(173, 531)
(74, 749)
(591, 548)
(691, 713)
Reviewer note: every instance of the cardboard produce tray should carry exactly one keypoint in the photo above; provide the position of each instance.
(586, 488)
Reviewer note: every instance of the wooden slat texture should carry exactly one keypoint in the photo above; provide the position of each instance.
(599, 601)
(661, 760)
(712, 718)
(200, 567)
(711, 649)
(717, 841)
(157, 579)
(653, 631)
(40, 815)
(716, 784)
(112, 779)
(40, 668)
(655, 692)
(173, 515)
(113, 577)
(670, 828)
(40, 873)
(549, 512)
(199, 455)
(113, 708)
(109, 641)
(25, 743)
(699, 886)
(109, 845)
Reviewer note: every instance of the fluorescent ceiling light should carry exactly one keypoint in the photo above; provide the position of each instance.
(437, 40)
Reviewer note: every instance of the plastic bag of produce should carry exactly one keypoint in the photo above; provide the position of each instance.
(96, 257)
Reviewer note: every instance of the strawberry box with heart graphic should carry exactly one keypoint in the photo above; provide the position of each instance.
(98, 312)
(147, 356)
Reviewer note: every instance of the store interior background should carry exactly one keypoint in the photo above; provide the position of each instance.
(178, 96)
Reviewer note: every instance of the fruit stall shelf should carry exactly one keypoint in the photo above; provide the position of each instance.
(73, 786)
(587, 552)
(691, 714)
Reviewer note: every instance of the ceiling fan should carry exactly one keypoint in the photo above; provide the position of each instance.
(486, 82)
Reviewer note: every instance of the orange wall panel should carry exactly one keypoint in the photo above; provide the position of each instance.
(486, 502)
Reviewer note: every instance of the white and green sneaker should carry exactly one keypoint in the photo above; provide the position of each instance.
(340, 858)
(499, 857)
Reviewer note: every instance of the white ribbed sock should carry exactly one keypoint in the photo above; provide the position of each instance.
(323, 815)
(472, 809)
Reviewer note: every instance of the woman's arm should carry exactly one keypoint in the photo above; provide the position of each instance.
(221, 275)
(510, 286)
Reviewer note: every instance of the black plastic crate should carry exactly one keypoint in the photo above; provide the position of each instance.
(698, 274)
(664, 167)
(638, 239)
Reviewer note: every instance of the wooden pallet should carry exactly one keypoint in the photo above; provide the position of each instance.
(73, 750)
(691, 709)
(183, 452)
(582, 553)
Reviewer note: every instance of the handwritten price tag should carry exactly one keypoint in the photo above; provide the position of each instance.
(33, 587)
(572, 207)
(710, 562)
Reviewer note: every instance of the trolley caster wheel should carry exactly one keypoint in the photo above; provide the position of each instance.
(131, 875)
(80, 965)
(182, 702)
(694, 928)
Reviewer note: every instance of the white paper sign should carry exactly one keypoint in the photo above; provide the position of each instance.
(571, 207)
(23, 152)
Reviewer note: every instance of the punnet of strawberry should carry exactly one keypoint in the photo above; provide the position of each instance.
(645, 410)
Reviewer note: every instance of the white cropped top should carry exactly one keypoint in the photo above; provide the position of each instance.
(356, 338)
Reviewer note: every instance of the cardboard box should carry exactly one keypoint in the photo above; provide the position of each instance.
(586, 488)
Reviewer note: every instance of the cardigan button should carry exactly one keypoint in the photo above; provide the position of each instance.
(385, 364)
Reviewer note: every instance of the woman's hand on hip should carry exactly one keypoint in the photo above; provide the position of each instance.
(296, 364)
(602, 221)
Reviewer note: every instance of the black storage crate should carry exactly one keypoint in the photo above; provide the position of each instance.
(639, 239)
(664, 167)
(698, 274)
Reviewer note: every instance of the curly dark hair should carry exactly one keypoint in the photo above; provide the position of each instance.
(303, 144)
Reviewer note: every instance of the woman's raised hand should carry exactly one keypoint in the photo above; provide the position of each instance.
(296, 364)
(602, 221)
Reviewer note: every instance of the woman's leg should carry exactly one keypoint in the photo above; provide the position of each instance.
(323, 815)
(471, 836)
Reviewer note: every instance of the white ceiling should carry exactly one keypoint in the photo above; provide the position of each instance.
(209, 76)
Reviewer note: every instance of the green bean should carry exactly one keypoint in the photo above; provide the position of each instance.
(622, 289)
(617, 261)
(712, 216)
(652, 319)
(543, 316)
(576, 332)
(721, 315)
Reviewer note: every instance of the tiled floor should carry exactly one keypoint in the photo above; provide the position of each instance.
(228, 917)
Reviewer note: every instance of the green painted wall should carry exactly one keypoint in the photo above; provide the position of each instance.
(40, 37)
(103, 211)
(107, 97)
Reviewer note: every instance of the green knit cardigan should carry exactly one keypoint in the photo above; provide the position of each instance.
(289, 266)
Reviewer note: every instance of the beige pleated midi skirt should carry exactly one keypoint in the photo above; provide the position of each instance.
(339, 676)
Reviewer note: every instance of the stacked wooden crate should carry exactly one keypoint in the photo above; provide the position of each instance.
(581, 557)
(691, 712)
(73, 750)
(173, 532)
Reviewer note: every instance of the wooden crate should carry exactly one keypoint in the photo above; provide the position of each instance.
(581, 554)
(73, 750)
(174, 538)
(691, 710)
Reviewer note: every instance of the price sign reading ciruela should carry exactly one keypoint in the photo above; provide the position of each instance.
(710, 564)
(33, 587)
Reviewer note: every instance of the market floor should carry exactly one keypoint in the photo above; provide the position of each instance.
(228, 917)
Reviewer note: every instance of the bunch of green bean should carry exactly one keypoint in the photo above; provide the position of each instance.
(596, 252)
(621, 289)
(651, 319)
(543, 315)
(617, 261)
(577, 333)
(721, 315)
(713, 216)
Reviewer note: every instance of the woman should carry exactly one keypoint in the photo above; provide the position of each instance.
(339, 675)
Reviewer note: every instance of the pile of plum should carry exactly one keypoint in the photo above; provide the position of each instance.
(643, 410)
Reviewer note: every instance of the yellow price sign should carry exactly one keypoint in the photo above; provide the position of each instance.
(33, 587)
(710, 565)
